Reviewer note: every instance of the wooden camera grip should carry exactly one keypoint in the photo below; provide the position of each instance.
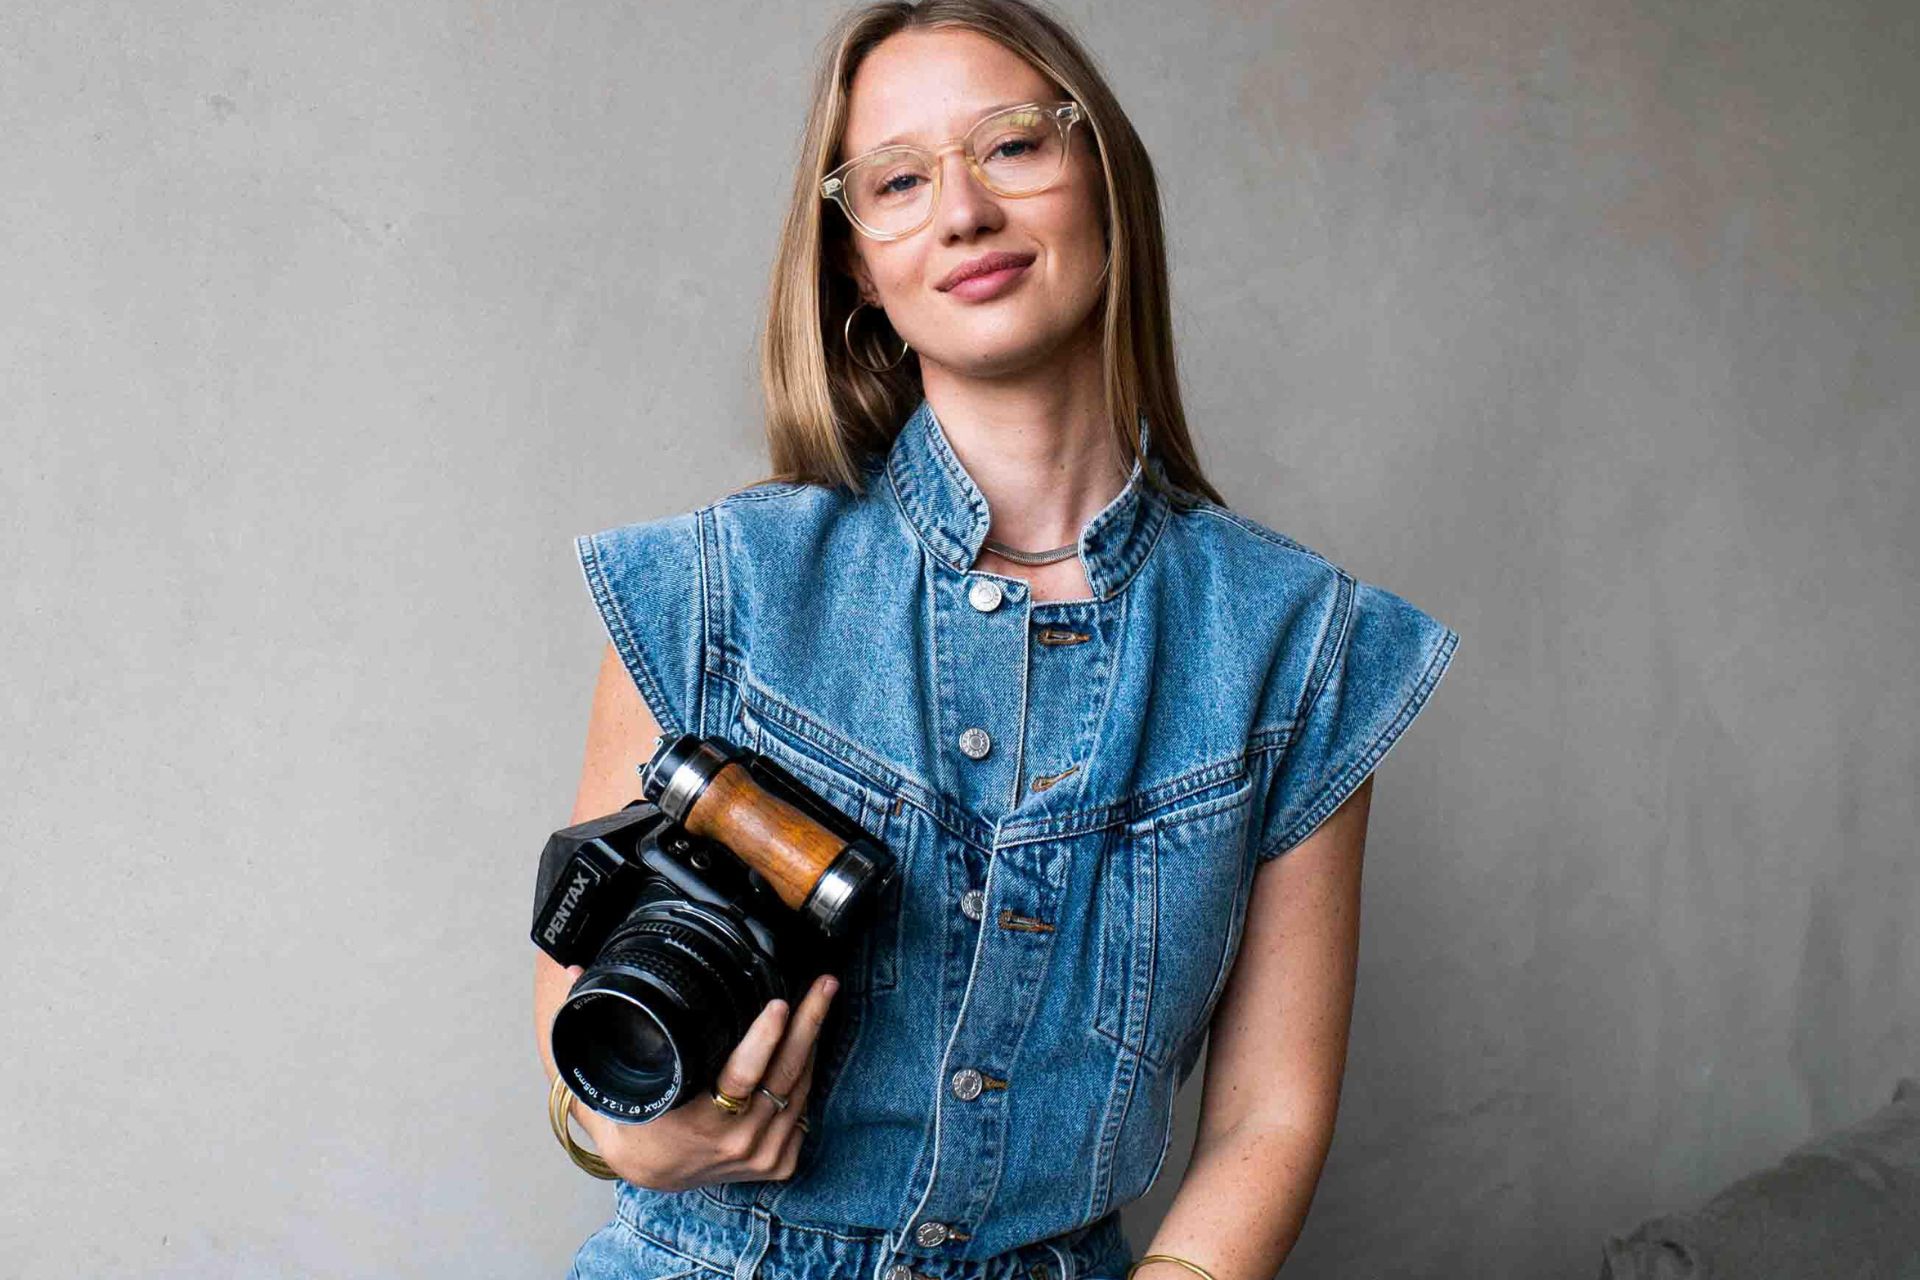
(793, 850)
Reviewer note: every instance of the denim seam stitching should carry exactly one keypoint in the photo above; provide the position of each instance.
(907, 516)
(1259, 531)
(870, 773)
(1157, 1059)
(706, 623)
(761, 493)
(1210, 807)
(630, 651)
(936, 438)
(1332, 644)
(1136, 1062)
(1013, 1056)
(1337, 790)
(1106, 702)
(946, 1062)
(695, 1265)
(874, 775)
(1163, 516)
(1236, 925)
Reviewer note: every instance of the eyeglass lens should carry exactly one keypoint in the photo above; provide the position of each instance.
(1019, 152)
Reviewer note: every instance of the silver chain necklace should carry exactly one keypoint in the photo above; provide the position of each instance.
(1018, 556)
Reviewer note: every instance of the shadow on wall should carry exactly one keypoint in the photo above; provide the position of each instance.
(1846, 1204)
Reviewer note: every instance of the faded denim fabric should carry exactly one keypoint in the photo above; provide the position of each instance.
(1079, 793)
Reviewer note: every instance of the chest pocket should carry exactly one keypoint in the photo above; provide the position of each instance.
(1173, 899)
(768, 729)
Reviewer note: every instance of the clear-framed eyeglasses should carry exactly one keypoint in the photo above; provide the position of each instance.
(892, 191)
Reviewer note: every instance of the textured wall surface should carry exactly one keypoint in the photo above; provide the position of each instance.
(1589, 327)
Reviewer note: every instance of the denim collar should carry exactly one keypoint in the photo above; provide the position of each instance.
(946, 507)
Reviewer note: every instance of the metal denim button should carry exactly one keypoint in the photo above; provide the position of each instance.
(929, 1235)
(967, 1083)
(900, 1271)
(973, 903)
(984, 595)
(975, 743)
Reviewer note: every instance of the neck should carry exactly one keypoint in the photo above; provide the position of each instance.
(1038, 444)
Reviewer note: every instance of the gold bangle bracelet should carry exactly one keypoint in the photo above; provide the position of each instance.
(559, 1110)
(1194, 1267)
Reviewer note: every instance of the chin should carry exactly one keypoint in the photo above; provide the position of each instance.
(997, 361)
(999, 349)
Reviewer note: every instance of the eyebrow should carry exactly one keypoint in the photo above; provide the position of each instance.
(983, 113)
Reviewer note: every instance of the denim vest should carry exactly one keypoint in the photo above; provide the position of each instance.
(1079, 793)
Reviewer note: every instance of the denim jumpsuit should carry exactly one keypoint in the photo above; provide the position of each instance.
(1078, 792)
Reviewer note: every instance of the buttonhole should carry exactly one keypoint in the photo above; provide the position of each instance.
(1024, 924)
(1042, 781)
(1059, 635)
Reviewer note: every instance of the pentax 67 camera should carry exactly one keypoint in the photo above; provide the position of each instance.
(728, 884)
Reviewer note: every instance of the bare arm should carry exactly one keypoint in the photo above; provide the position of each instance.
(618, 725)
(694, 1144)
(1274, 1064)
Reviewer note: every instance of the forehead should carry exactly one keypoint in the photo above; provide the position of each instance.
(928, 86)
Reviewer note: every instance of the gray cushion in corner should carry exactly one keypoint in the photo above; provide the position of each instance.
(1842, 1207)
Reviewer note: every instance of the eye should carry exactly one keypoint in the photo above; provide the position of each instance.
(886, 187)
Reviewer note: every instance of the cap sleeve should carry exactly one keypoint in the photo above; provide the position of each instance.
(648, 581)
(1378, 661)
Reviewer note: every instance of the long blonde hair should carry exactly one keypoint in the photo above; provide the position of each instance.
(825, 414)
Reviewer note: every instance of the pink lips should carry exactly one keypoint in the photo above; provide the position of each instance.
(1000, 263)
(990, 285)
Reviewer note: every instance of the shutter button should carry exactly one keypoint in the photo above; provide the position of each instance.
(972, 904)
(984, 595)
(967, 1084)
(975, 743)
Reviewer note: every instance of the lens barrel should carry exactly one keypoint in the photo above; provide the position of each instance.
(650, 1022)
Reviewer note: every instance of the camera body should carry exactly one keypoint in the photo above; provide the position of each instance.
(681, 937)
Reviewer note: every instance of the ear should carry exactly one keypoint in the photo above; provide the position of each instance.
(845, 259)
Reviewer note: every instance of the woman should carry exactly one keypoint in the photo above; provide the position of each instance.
(989, 607)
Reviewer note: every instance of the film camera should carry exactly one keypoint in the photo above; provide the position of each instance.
(728, 884)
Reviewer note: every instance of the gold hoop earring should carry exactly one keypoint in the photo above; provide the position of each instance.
(846, 332)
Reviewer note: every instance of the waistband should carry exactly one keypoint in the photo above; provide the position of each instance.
(748, 1242)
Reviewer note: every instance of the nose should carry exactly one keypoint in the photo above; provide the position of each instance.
(966, 207)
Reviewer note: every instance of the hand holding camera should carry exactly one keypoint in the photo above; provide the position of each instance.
(690, 923)
(693, 1146)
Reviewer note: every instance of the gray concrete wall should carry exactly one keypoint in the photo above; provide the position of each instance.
(1590, 327)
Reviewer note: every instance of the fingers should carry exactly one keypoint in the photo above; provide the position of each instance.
(795, 1114)
(791, 1115)
(775, 1056)
(796, 1049)
(747, 1064)
(775, 1152)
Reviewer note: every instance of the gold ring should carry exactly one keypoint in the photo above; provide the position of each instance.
(727, 1102)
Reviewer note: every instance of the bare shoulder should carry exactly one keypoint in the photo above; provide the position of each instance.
(620, 735)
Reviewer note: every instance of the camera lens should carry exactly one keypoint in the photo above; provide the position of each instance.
(652, 1019)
